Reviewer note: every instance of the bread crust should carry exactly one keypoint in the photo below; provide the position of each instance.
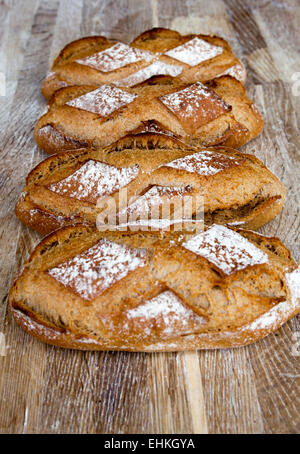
(65, 125)
(269, 320)
(210, 341)
(65, 71)
(261, 200)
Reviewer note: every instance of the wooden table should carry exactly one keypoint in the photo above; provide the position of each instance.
(46, 389)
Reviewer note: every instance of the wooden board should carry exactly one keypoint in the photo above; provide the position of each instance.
(48, 390)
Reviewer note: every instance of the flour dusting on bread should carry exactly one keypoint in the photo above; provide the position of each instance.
(195, 51)
(293, 281)
(52, 134)
(150, 203)
(155, 69)
(204, 163)
(103, 101)
(93, 180)
(166, 313)
(93, 271)
(115, 57)
(237, 71)
(195, 105)
(226, 249)
(271, 318)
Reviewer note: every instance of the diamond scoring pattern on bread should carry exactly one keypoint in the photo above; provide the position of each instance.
(204, 163)
(217, 113)
(96, 60)
(194, 52)
(156, 68)
(195, 106)
(93, 271)
(103, 101)
(226, 249)
(158, 317)
(153, 204)
(115, 57)
(140, 291)
(94, 180)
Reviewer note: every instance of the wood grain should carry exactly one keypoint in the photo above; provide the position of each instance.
(48, 390)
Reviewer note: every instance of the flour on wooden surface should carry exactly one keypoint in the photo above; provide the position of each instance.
(194, 52)
(103, 101)
(226, 249)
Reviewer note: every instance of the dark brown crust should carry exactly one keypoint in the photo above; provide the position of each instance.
(52, 139)
(244, 335)
(41, 221)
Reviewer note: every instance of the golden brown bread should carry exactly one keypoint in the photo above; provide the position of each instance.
(143, 292)
(213, 55)
(219, 112)
(157, 171)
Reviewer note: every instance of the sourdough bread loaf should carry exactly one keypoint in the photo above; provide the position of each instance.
(95, 60)
(93, 290)
(218, 112)
(149, 175)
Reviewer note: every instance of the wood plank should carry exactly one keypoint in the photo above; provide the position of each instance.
(284, 47)
(118, 20)
(229, 386)
(195, 393)
(21, 378)
(278, 144)
(99, 392)
(277, 379)
(67, 27)
(175, 392)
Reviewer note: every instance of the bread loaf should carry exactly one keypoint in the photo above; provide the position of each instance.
(93, 290)
(95, 60)
(157, 171)
(218, 112)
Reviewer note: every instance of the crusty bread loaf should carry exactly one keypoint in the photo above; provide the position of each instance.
(143, 292)
(88, 61)
(156, 171)
(219, 112)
